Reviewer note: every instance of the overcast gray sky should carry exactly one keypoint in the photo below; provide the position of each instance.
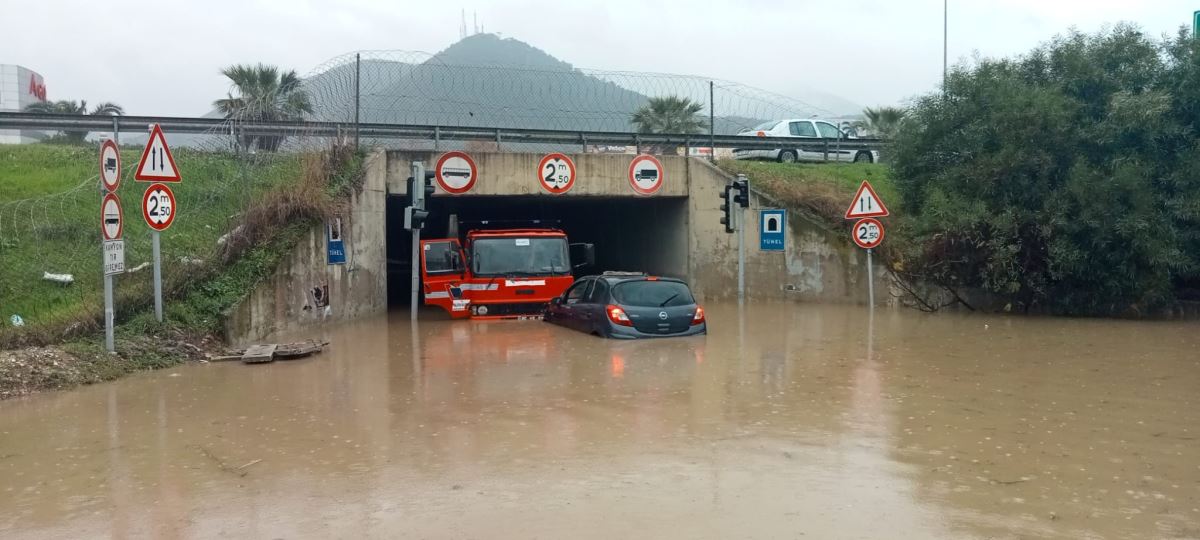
(163, 58)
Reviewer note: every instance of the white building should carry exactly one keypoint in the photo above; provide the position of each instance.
(19, 87)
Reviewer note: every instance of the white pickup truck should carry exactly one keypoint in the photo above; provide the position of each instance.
(803, 129)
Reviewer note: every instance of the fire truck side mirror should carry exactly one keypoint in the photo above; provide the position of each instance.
(587, 252)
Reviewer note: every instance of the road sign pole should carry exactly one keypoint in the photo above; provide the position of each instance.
(870, 281)
(109, 344)
(158, 301)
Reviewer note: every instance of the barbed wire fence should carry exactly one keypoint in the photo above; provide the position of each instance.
(50, 253)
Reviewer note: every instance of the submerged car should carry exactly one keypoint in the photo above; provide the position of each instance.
(803, 129)
(628, 305)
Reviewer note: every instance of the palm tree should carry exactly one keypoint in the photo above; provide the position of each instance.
(670, 114)
(74, 107)
(884, 121)
(263, 93)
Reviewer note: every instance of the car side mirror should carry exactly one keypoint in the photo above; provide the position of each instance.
(556, 301)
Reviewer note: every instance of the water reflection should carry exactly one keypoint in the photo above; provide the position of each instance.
(786, 419)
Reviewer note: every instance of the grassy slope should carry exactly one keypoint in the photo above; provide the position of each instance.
(61, 234)
(288, 193)
(824, 190)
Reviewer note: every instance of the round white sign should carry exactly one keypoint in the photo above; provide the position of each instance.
(556, 173)
(646, 174)
(455, 172)
(867, 233)
(158, 207)
(110, 165)
(110, 217)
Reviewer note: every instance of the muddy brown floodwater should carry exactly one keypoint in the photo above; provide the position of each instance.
(784, 422)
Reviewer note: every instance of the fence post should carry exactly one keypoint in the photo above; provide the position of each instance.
(712, 118)
(357, 94)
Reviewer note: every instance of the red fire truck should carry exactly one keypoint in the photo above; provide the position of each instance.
(499, 273)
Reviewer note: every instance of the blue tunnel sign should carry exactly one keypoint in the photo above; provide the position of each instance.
(333, 238)
(772, 227)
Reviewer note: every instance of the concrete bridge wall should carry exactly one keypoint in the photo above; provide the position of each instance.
(819, 264)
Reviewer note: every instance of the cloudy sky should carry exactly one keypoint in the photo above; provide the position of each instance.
(163, 58)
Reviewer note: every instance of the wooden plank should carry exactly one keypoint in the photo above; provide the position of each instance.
(258, 354)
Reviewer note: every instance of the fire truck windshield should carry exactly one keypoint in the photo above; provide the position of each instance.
(517, 256)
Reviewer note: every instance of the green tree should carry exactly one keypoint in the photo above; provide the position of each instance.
(77, 108)
(263, 93)
(670, 114)
(883, 121)
(1063, 179)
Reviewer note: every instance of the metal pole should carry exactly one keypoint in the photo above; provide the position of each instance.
(158, 300)
(418, 185)
(109, 344)
(416, 270)
(109, 309)
(712, 115)
(740, 218)
(945, 41)
(870, 282)
(357, 95)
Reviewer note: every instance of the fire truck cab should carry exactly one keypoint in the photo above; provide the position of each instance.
(499, 273)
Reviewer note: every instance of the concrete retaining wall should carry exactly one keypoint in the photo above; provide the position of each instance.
(286, 302)
(818, 264)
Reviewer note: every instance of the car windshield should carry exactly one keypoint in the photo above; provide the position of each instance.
(519, 256)
(653, 294)
(765, 126)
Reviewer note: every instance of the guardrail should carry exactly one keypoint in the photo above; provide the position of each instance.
(218, 126)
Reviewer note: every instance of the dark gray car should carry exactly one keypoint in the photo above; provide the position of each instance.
(625, 305)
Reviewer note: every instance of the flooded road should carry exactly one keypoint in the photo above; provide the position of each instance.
(783, 422)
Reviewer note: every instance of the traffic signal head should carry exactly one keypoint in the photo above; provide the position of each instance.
(727, 218)
(742, 185)
(414, 218)
(429, 189)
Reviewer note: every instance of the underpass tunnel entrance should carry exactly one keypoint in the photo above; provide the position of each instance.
(633, 234)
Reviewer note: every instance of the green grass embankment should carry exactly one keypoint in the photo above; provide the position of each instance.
(823, 190)
(236, 216)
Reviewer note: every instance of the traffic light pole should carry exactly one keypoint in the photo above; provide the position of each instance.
(741, 229)
(418, 190)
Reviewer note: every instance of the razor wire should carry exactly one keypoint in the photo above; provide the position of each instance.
(405, 87)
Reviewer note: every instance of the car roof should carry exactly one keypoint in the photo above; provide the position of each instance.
(618, 277)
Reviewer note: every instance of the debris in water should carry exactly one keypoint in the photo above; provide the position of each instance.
(65, 279)
(269, 352)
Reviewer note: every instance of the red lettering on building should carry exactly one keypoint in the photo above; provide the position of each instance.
(37, 89)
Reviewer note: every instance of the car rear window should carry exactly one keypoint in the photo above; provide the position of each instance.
(653, 294)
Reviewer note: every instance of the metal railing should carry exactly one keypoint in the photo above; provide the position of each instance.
(129, 124)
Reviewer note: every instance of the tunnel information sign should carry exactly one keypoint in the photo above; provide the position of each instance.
(456, 172)
(646, 174)
(771, 226)
(556, 173)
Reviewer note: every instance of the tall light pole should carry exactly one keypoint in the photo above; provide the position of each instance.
(945, 41)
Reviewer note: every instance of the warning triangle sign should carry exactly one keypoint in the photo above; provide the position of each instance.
(866, 203)
(157, 165)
